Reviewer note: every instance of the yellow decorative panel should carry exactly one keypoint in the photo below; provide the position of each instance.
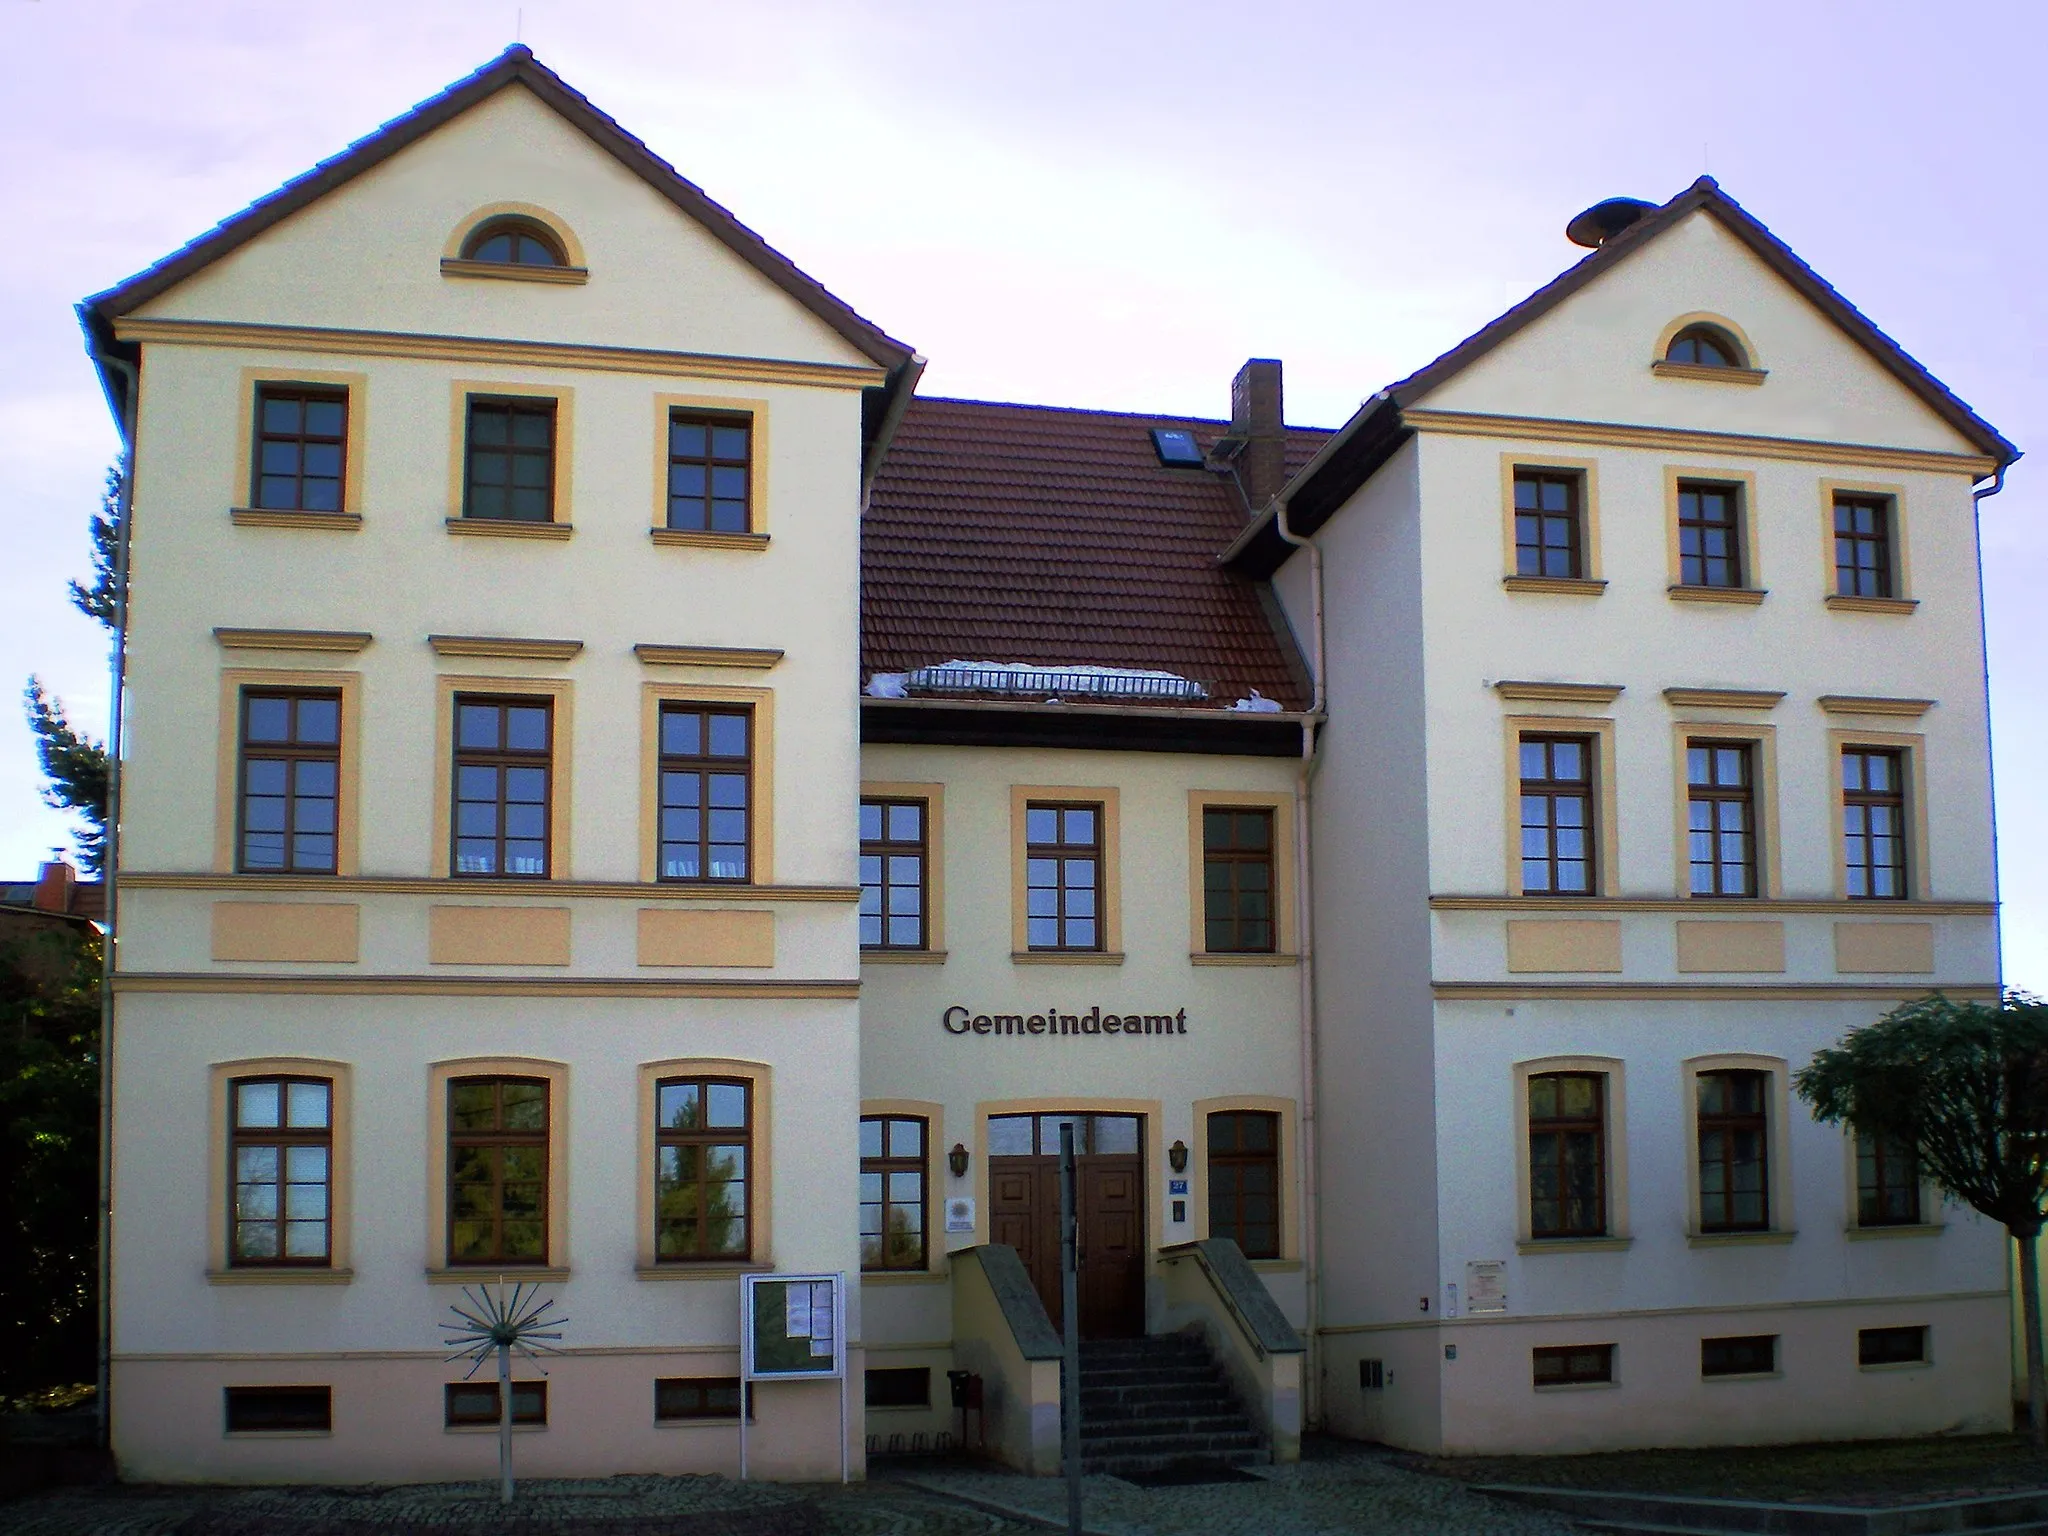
(498, 935)
(681, 937)
(1731, 946)
(1568, 945)
(1884, 948)
(300, 932)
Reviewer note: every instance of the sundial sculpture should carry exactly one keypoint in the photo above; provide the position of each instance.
(495, 1323)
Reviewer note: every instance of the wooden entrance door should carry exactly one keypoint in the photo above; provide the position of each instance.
(1024, 1211)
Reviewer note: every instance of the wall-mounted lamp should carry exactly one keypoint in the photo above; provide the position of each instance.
(957, 1160)
(1177, 1157)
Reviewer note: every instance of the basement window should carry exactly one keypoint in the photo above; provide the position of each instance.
(1177, 448)
(900, 1387)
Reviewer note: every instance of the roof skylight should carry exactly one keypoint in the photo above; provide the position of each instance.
(1177, 447)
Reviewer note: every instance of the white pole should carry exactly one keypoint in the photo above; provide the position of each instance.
(746, 1350)
(504, 1424)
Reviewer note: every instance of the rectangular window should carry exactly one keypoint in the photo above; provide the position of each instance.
(1887, 1183)
(710, 464)
(509, 459)
(1557, 815)
(290, 783)
(706, 792)
(1573, 1365)
(892, 1192)
(1863, 546)
(1721, 817)
(467, 1403)
(1568, 1154)
(1709, 534)
(1548, 540)
(1237, 880)
(504, 767)
(1734, 1152)
(679, 1399)
(301, 448)
(1748, 1355)
(497, 1170)
(1891, 1346)
(703, 1141)
(1244, 1180)
(1874, 823)
(281, 1147)
(893, 856)
(274, 1410)
(1063, 876)
(900, 1387)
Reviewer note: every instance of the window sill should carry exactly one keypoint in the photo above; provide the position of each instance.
(1577, 1386)
(477, 1274)
(1206, 958)
(282, 1275)
(690, 538)
(707, 1423)
(1914, 1229)
(1898, 1365)
(1737, 1239)
(512, 272)
(1747, 597)
(492, 1429)
(1838, 603)
(700, 1271)
(903, 957)
(1699, 373)
(509, 528)
(277, 1434)
(1560, 586)
(1065, 957)
(1744, 1376)
(903, 1277)
(1573, 1245)
(271, 517)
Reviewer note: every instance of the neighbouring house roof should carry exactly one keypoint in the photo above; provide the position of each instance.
(1365, 442)
(1055, 537)
(515, 66)
(87, 900)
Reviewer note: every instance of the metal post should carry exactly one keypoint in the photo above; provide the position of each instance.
(504, 1423)
(1070, 1328)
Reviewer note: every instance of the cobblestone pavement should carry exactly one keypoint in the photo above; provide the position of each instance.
(1340, 1491)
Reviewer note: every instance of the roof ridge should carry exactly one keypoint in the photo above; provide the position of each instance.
(1093, 410)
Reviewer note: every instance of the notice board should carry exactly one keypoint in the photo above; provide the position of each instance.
(792, 1327)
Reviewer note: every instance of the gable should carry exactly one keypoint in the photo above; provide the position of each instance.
(367, 253)
(1587, 357)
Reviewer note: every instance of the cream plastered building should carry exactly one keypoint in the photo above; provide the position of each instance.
(619, 794)
(1450, 978)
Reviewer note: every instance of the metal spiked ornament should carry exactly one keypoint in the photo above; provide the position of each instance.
(493, 1323)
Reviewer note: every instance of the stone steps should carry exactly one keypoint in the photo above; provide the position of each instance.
(1150, 1405)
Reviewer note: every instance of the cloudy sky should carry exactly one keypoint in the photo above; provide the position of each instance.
(1094, 202)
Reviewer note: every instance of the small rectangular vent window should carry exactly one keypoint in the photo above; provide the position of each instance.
(1372, 1375)
(1753, 1354)
(1177, 448)
(900, 1387)
(279, 1410)
(1891, 1346)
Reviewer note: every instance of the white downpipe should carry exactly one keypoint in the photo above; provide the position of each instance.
(1304, 906)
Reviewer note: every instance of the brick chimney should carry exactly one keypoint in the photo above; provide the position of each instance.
(54, 884)
(1256, 421)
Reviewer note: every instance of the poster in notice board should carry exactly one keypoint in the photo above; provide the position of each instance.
(792, 1327)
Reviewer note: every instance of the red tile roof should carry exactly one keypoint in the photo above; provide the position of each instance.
(1028, 533)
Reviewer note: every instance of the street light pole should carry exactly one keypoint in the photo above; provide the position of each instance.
(1070, 1328)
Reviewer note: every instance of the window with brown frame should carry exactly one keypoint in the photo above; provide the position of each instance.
(301, 448)
(514, 242)
(1709, 534)
(894, 853)
(710, 469)
(1751, 1354)
(1549, 535)
(892, 1192)
(1237, 880)
(703, 1144)
(497, 1170)
(290, 787)
(281, 1148)
(470, 1404)
(1887, 1182)
(1063, 876)
(504, 771)
(1721, 834)
(277, 1410)
(1734, 1151)
(1704, 346)
(1863, 546)
(1573, 1365)
(1874, 823)
(1557, 816)
(706, 773)
(510, 459)
(1891, 1346)
(1568, 1154)
(1244, 1180)
(679, 1399)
